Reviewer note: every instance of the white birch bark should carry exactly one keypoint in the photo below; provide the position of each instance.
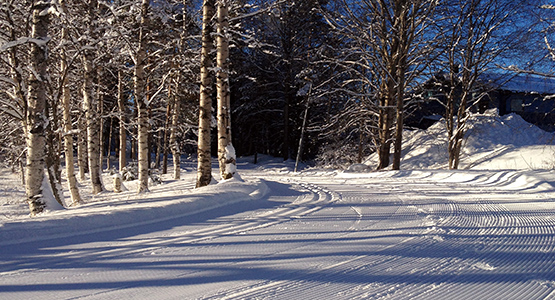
(176, 104)
(122, 132)
(204, 172)
(167, 127)
(93, 139)
(68, 137)
(222, 85)
(174, 145)
(100, 111)
(36, 114)
(90, 108)
(82, 157)
(142, 116)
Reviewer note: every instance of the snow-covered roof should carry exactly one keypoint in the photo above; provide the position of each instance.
(524, 83)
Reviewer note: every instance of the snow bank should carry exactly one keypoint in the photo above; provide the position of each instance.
(492, 142)
(510, 180)
(128, 209)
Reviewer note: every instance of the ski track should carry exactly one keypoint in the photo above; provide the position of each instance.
(392, 238)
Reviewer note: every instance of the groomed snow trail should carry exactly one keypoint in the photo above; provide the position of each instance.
(391, 235)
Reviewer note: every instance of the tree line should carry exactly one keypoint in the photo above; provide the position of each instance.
(326, 80)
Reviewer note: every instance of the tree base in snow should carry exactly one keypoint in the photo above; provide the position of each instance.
(117, 183)
(36, 205)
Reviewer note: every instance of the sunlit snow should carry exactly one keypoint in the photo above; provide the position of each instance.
(486, 231)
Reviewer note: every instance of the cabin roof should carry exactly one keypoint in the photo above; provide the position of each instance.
(521, 83)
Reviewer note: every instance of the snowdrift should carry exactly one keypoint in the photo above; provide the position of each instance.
(492, 142)
(129, 209)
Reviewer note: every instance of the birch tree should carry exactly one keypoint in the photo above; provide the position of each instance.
(82, 154)
(90, 105)
(178, 69)
(142, 101)
(168, 128)
(174, 146)
(36, 118)
(204, 172)
(226, 152)
(122, 106)
(67, 121)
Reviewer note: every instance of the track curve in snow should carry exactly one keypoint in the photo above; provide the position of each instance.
(395, 235)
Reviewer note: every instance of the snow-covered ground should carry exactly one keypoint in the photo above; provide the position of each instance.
(486, 231)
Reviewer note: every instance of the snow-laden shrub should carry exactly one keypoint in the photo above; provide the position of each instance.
(155, 178)
(130, 172)
(339, 154)
(358, 168)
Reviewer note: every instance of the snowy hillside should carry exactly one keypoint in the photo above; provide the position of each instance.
(492, 142)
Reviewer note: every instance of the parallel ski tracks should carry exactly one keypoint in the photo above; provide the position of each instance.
(490, 242)
(311, 280)
(472, 247)
(308, 203)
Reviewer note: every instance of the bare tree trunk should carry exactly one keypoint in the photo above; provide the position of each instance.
(36, 114)
(303, 130)
(286, 124)
(68, 135)
(360, 144)
(110, 132)
(22, 169)
(398, 33)
(474, 32)
(388, 111)
(53, 153)
(100, 110)
(82, 157)
(92, 124)
(450, 124)
(122, 131)
(159, 150)
(204, 175)
(90, 107)
(405, 31)
(176, 153)
(176, 103)
(140, 96)
(133, 152)
(385, 121)
(400, 111)
(288, 91)
(456, 137)
(149, 117)
(167, 128)
(225, 158)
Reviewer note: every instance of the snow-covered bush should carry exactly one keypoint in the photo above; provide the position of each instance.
(340, 154)
(155, 176)
(131, 172)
